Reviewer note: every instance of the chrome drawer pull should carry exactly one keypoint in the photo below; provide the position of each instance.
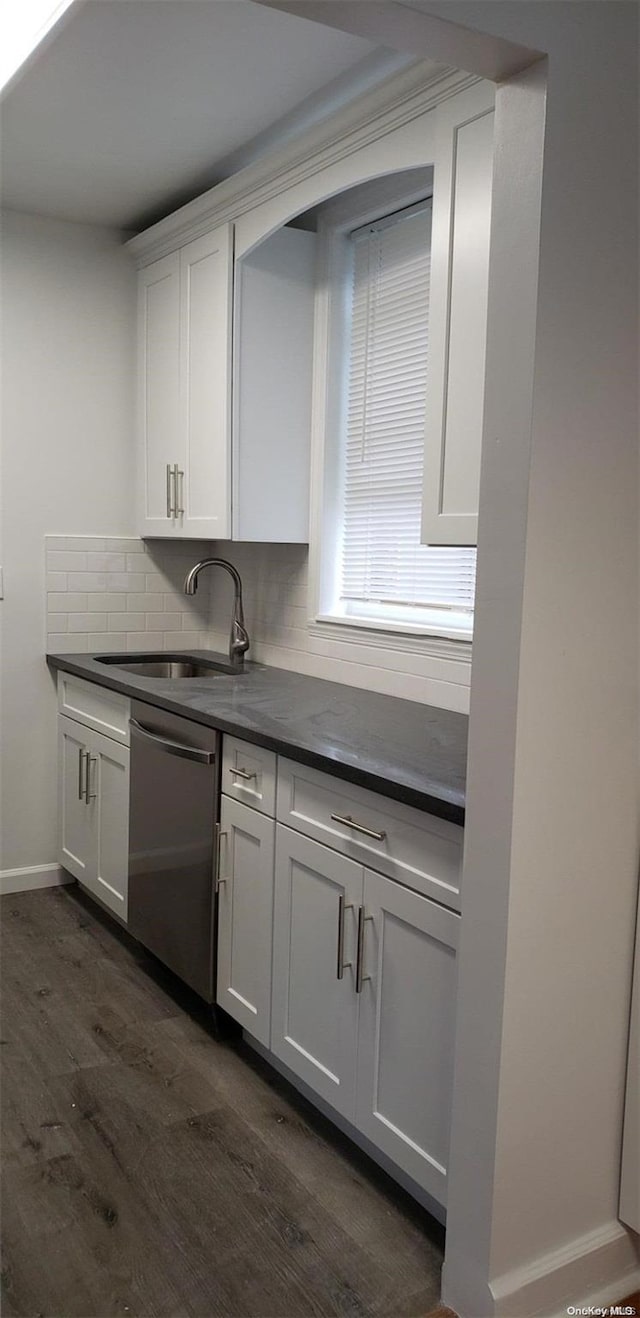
(359, 828)
(242, 773)
(178, 491)
(341, 963)
(170, 511)
(221, 833)
(80, 774)
(360, 975)
(89, 796)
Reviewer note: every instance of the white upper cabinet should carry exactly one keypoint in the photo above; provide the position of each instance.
(272, 377)
(206, 274)
(212, 468)
(159, 391)
(227, 349)
(463, 168)
(185, 390)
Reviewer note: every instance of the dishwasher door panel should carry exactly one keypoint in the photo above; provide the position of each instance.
(173, 812)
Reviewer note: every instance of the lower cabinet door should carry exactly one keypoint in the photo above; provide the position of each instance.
(76, 850)
(109, 806)
(406, 1029)
(245, 916)
(314, 1004)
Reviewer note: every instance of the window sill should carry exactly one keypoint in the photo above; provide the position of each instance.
(437, 640)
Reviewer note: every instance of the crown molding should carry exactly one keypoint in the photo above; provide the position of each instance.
(397, 101)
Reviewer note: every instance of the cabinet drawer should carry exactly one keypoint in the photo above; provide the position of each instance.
(96, 706)
(419, 850)
(249, 775)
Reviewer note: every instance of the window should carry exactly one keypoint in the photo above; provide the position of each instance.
(382, 576)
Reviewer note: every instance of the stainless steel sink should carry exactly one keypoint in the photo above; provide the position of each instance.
(167, 665)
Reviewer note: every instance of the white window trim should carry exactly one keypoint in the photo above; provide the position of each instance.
(423, 628)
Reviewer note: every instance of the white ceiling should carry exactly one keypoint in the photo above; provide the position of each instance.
(138, 105)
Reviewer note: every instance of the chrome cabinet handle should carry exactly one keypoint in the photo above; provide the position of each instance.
(341, 963)
(80, 774)
(173, 747)
(170, 509)
(178, 488)
(359, 828)
(89, 796)
(360, 975)
(242, 773)
(220, 833)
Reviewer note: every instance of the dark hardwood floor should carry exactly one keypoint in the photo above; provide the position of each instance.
(150, 1170)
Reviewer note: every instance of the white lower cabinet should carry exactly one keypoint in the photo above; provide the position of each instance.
(314, 1008)
(406, 1029)
(94, 812)
(363, 1001)
(245, 915)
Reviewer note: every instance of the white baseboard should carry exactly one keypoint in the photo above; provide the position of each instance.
(598, 1268)
(32, 877)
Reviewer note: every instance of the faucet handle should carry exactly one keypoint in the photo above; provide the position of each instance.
(240, 638)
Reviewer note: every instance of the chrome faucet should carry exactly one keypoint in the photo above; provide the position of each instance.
(239, 638)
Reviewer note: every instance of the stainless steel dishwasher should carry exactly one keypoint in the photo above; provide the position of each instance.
(175, 770)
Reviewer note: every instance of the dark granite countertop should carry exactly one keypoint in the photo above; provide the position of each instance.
(415, 753)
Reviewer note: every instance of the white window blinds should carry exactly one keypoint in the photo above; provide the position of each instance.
(383, 561)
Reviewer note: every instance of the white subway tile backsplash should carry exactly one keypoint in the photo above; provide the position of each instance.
(126, 622)
(87, 580)
(119, 545)
(163, 622)
(83, 543)
(110, 641)
(186, 640)
(66, 561)
(107, 602)
(143, 641)
(144, 603)
(120, 594)
(124, 581)
(87, 622)
(65, 601)
(65, 644)
(154, 582)
(106, 562)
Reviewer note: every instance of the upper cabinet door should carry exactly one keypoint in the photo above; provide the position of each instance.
(204, 491)
(463, 171)
(161, 448)
(185, 390)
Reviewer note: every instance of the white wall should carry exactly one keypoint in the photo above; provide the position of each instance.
(566, 755)
(67, 431)
(547, 939)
